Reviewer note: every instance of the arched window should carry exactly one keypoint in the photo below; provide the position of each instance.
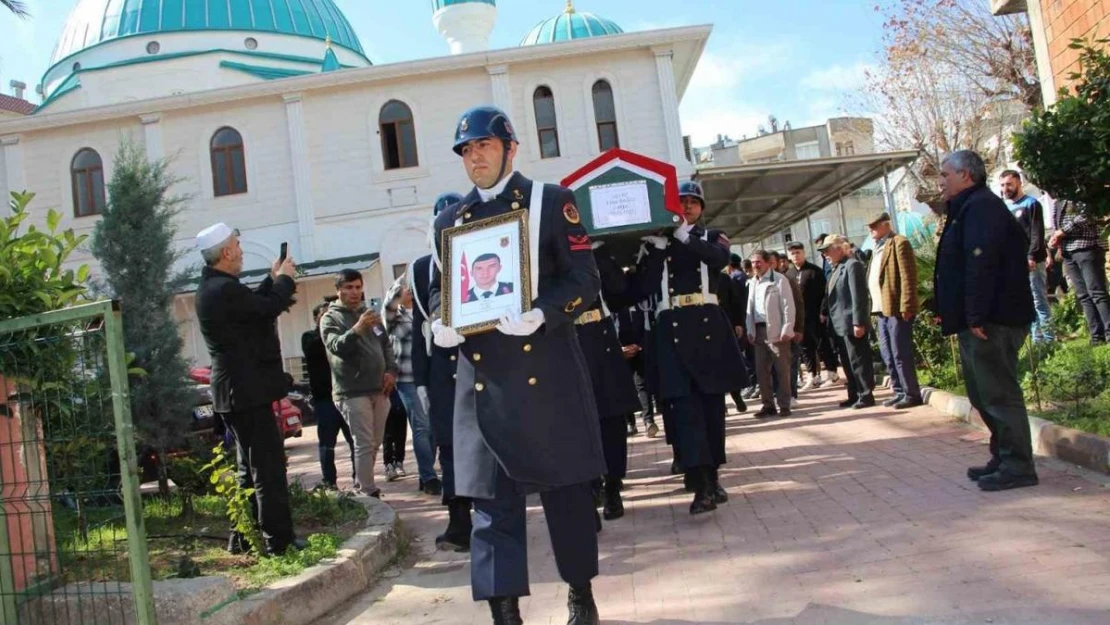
(87, 178)
(548, 129)
(398, 133)
(229, 163)
(605, 114)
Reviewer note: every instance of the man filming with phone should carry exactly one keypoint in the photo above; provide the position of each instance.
(363, 369)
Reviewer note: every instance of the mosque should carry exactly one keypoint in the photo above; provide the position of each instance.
(277, 123)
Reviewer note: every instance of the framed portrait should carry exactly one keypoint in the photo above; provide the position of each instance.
(486, 272)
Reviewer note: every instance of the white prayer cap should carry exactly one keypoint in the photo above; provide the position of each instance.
(214, 235)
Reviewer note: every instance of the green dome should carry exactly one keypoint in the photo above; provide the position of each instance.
(96, 21)
(570, 25)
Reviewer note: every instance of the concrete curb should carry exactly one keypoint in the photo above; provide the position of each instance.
(1089, 451)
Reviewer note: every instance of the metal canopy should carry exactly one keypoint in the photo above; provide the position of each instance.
(753, 202)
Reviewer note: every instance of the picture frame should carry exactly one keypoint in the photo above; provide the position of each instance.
(486, 272)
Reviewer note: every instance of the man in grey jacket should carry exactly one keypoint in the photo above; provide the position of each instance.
(364, 372)
(848, 305)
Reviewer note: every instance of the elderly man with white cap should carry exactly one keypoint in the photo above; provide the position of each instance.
(239, 328)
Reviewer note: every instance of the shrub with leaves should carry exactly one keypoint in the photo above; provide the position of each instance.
(1065, 149)
(1073, 376)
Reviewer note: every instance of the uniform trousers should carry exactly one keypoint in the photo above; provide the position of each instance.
(614, 443)
(260, 455)
(499, 541)
(699, 420)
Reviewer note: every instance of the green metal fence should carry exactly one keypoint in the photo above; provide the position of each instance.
(72, 541)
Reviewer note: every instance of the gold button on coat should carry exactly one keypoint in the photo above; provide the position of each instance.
(466, 215)
(453, 358)
(527, 347)
(532, 381)
(479, 387)
(477, 357)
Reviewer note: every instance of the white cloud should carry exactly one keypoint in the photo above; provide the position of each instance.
(704, 120)
(838, 77)
(727, 67)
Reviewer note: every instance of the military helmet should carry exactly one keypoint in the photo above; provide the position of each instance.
(691, 189)
(483, 122)
(444, 200)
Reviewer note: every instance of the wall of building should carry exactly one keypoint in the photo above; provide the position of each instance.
(1065, 20)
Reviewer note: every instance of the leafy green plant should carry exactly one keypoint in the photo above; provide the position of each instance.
(1067, 317)
(224, 476)
(1065, 149)
(293, 562)
(1072, 377)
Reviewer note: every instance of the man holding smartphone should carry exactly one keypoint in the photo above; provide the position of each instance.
(364, 371)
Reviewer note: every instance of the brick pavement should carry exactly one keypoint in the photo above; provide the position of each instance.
(836, 517)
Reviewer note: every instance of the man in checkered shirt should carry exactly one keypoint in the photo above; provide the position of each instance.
(1077, 238)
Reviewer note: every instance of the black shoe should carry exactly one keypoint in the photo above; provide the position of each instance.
(974, 473)
(689, 482)
(741, 407)
(237, 544)
(1097, 340)
(632, 431)
(581, 609)
(719, 494)
(785, 412)
(766, 413)
(702, 503)
(505, 611)
(864, 403)
(907, 403)
(893, 401)
(1002, 481)
(297, 544)
(432, 487)
(675, 467)
(457, 536)
(849, 403)
(614, 506)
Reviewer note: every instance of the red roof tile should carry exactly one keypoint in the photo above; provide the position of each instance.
(15, 105)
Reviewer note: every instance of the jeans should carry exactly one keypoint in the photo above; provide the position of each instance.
(366, 417)
(1042, 326)
(896, 349)
(991, 371)
(329, 423)
(1086, 271)
(422, 444)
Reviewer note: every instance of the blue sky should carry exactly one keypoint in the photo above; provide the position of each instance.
(792, 58)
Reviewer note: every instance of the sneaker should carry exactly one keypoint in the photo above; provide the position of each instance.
(834, 377)
(811, 383)
(652, 430)
(391, 472)
(893, 400)
(400, 466)
(793, 402)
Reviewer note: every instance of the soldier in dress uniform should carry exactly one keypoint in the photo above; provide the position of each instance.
(613, 384)
(433, 370)
(696, 355)
(525, 417)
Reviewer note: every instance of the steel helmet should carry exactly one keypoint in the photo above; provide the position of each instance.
(692, 189)
(483, 122)
(444, 200)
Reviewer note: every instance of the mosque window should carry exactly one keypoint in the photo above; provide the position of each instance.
(544, 101)
(395, 125)
(605, 114)
(87, 177)
(153, 47)
(229, 164)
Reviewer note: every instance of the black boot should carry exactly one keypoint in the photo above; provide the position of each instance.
(703, 495)
(457, 536)
(581, 607)
(506, 611)
(614, 507)
(716, 491)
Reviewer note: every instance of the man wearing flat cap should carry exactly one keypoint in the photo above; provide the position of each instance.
(240, 329)
(892, 282)
(848, 308)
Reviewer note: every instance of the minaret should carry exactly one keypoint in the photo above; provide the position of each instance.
(465, 24)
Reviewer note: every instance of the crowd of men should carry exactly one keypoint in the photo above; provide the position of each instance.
(544, 403)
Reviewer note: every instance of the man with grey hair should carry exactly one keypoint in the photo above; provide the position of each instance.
(982, 292)
(240, 330)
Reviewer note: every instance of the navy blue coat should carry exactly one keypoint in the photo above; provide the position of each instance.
(435, 370)
(611, 373)
(527, 403)
(693, 346)
(982, 275)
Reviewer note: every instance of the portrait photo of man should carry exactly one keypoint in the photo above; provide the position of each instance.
(484, 272)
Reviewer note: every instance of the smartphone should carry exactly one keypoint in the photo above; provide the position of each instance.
(375, 304)
(284, 252)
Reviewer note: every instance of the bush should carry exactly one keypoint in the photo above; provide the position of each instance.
(1072, 377)
(1067, 318)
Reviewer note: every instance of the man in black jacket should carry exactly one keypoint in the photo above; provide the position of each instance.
(811, 279)
(240, 330)
(732, 293)
(982, 295)
(329, 423)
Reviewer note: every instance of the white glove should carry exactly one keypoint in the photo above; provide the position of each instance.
(521, 324)
(596, 244)
(446, 337)
(422, 395)
(660, 243)
(682, 233)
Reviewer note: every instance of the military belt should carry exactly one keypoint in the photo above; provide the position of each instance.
(692, 299)
(590, 316)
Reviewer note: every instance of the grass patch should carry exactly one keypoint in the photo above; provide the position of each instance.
(92, 542)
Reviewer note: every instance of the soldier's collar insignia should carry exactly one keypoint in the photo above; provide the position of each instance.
(570, 211)
(517, 195)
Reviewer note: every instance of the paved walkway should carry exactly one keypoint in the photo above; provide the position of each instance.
(836, 517)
